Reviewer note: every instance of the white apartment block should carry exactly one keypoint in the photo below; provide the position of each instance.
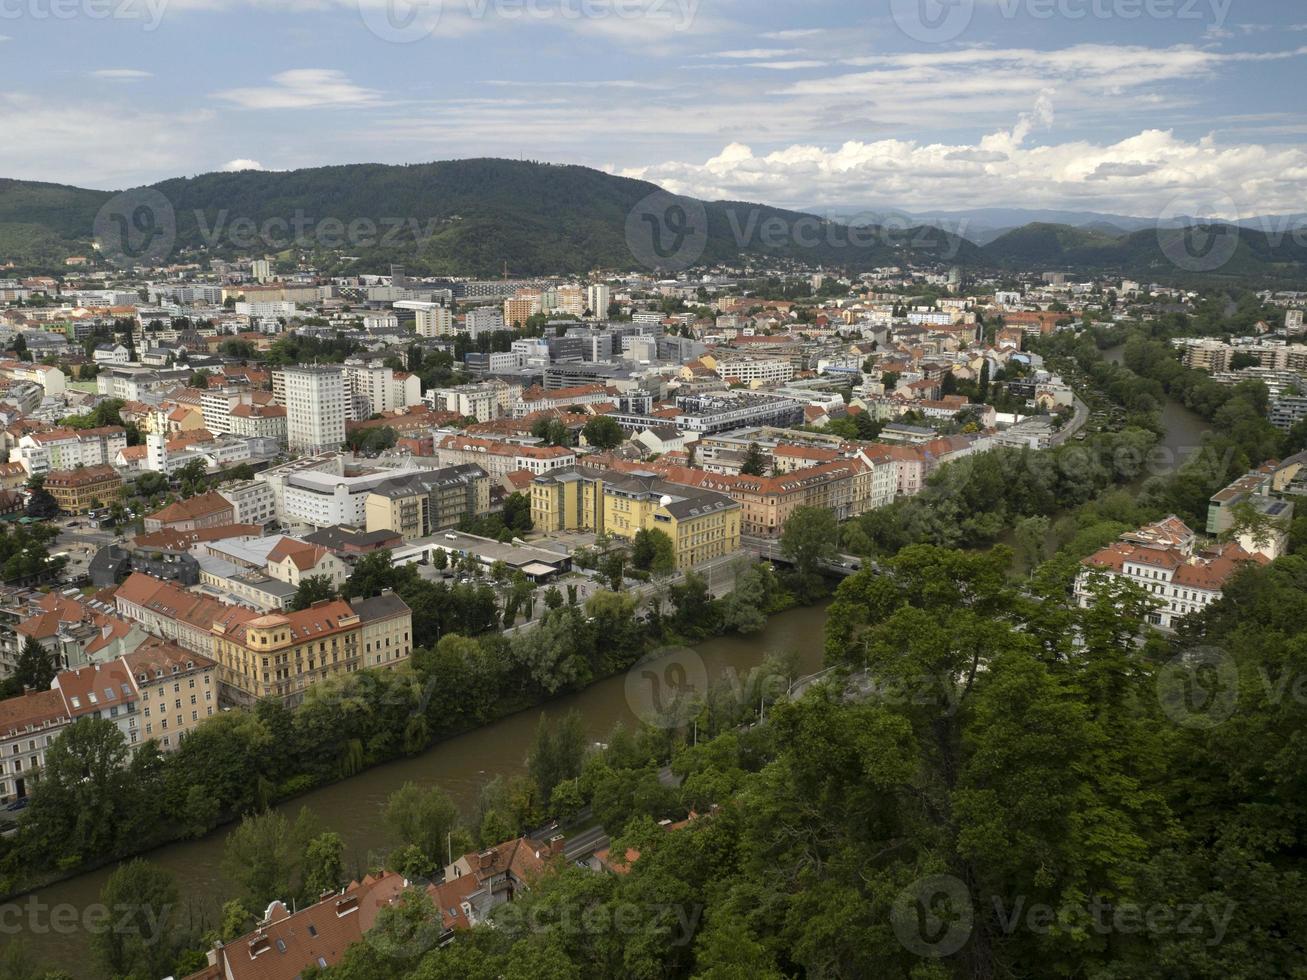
(66, 449)
(315, 407)
(483, 319)
(324, 499)
(216, 405)
(598, 298)
(1161, 560)
(271, 309)
(253, 501)
(756, 370)
(483, 402)
(429, 319)
(371, 387)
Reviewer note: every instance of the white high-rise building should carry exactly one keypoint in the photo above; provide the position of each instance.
(484, 319)
(1293, 321)
(315, 407)
(598, 298)
(261, 270)
(435, 321)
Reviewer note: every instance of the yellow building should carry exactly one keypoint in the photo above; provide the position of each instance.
(702, 524)
(84, 488)
(281, 655)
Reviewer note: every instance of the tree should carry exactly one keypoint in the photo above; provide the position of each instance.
(264, 855)
(35, 667)
(603, 432)
(557, 753)
(983, 387)
(808, 539)
(84, 803)
(313, 588)
(200, 378)
(517, 513)
(141, 939)
(324, 871)
(423, 819)
(653, 551)
(755, 461)
(440, 560)
(41, 505)
(613, 567)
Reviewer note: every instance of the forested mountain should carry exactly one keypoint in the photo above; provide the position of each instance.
(467, 217)
(478, 217)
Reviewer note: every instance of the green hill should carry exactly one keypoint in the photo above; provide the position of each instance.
(1202, 253)
(461, 217)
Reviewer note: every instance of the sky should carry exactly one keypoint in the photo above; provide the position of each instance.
(1136, 107)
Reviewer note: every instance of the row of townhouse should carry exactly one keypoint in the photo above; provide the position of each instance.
(846, 487)
(498, 458)
(278, 655)
(41, 452)
(537, 399)
(158, 692)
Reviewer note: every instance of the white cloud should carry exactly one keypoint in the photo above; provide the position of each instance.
(121, 74)
(1141, 174)
(302, 88)
(241, 163)
(748, 53)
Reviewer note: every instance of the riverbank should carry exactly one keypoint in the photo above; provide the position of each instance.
(460, 765)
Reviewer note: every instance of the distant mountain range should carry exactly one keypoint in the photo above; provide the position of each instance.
(482, 217)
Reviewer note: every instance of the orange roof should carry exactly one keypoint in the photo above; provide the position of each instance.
(170, 600)
(196, 507)
(89, 689)
(285, 944)
(171, 539)
(320, 619)
(33, 709)
(301, 554)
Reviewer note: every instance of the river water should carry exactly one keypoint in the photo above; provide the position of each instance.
(1184, 429)
(460, 766)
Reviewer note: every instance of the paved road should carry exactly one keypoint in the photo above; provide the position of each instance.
(1075, 425)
